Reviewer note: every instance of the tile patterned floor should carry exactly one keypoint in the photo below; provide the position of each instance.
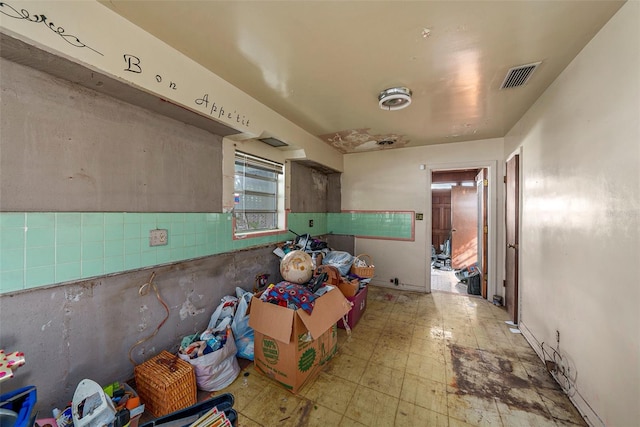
(446, 281)
(437, 359)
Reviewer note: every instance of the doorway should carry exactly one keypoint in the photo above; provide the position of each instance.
(462, 234)
(512, 225)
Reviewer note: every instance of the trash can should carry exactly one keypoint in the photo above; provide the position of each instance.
(473, 284)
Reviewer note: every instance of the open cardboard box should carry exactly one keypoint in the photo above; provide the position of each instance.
(291, 346)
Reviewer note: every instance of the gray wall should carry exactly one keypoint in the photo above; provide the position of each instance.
(341, 242)
(309, 189)
(86, 329)
(67, 148)
(334, 192)
(64, 147)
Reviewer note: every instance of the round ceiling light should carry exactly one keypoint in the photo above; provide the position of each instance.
(395, 98)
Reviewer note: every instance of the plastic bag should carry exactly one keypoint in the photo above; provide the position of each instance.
(216, 370)
(223, 315)
(340, 260)
(240, 325)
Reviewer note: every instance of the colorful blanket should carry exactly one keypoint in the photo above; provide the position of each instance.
(291, 293)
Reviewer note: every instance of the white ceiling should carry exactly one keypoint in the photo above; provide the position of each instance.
(322, 64)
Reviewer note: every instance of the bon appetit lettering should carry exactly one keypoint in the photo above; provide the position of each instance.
(213, 107)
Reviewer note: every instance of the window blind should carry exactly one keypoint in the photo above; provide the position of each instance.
(256, 193)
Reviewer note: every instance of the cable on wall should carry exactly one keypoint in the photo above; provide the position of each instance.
(559, 369)
(144, 289)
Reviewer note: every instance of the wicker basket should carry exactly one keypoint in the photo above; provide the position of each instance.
(365, 272)
(165, 384)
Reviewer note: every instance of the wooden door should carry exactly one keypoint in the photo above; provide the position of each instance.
(512, 217)
(440, 217)
(464, 226)
(483, 227)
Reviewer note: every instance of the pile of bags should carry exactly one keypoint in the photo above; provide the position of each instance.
(213, 352)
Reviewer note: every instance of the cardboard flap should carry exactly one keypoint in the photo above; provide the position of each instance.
(271, 320)
(327, 310)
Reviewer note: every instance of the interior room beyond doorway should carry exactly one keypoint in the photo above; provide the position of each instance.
(458, 230)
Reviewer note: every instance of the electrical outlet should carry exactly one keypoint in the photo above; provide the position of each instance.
(310, 223)
(158, 237)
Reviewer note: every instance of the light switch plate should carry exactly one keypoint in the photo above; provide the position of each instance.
(158, 237)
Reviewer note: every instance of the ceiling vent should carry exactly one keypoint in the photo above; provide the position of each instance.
(274, 142)
(518, 76)
(395, 98)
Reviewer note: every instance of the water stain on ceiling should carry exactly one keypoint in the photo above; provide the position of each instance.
(353, 140)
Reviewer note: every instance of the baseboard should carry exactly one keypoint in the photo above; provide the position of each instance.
(401, 287)
(578, 401)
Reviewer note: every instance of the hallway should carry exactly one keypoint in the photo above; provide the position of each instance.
(437, 359)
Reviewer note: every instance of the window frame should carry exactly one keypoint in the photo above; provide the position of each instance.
(258, 163)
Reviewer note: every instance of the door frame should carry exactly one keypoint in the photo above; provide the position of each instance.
(518, 300)
(483, 228)
(492, 216)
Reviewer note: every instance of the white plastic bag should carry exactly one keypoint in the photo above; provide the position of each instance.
(223, 314)
(340, 260)
(218, 369)
(240, 325)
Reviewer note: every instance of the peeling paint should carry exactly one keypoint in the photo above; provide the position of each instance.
(188, 309)
(351, 140)
(76, 292)
(320, 181)
(143, 322)
(73, 295)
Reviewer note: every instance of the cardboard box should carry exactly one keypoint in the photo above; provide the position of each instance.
(359, 302)
(349, 288)
(291, 346)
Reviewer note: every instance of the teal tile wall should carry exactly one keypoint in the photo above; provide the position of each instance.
(43, 248)
(392, 225)
(395, 225)
(299, 223)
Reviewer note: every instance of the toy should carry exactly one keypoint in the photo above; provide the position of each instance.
(9, 363)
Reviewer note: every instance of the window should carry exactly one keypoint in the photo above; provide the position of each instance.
(258, 186)
(449, 185)
(442, 185)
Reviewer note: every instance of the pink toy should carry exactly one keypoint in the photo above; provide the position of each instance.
(10, 362)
